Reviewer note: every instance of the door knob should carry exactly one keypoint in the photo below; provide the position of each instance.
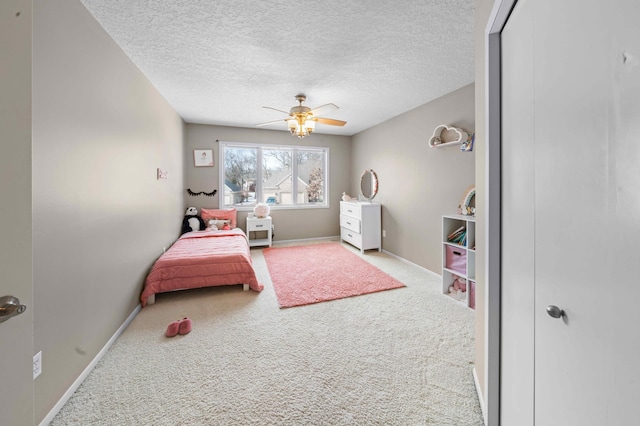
(554, 311)
(10, 307)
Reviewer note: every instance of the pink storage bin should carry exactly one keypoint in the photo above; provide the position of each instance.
(456, 259)
(472, 294)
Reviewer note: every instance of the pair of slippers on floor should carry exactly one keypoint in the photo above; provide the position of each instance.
(182, 326)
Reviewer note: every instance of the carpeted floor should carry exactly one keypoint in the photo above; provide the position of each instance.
(305, 274)
(401, 357)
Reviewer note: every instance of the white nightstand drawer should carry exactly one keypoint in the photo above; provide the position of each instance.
(351, 209)
(351, 237)
(350, 222)
(258, 225)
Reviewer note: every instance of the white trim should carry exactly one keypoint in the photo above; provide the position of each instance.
(499, 15)
(402, 259)
(75, 385)
(337, 238)
(497, 20)
(482, 405)
(333, 238)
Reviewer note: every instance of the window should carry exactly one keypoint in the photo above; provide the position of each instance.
(290, 176)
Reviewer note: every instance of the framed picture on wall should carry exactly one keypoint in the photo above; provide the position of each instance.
(203, 157)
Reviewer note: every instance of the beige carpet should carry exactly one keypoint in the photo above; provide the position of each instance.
(401, 357)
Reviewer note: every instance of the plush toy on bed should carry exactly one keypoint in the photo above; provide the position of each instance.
(215, 225)
(192, 221)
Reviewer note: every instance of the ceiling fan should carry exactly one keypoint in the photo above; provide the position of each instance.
(302, 119)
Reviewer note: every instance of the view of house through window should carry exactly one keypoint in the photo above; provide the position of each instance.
(279, 176)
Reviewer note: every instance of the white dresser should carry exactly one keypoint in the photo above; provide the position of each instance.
(360, 224)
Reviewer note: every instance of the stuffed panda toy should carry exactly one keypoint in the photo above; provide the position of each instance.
(192, 221)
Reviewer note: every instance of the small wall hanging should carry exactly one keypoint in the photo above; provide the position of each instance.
(466, 208)
(161, 174)
(203, 157)
(196, 194)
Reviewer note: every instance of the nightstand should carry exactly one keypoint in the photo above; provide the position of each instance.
(255, 224)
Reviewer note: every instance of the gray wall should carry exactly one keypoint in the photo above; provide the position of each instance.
(16, 247)
(100, 217)
(417, 184)
(289, 224)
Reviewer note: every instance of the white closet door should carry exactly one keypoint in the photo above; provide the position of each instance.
(571, 78)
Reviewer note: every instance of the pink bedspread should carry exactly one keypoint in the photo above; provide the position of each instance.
(203, 259)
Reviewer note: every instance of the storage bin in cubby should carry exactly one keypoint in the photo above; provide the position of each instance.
(456, 259)
(471, 288)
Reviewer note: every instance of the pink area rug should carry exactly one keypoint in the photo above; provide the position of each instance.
(303, 275)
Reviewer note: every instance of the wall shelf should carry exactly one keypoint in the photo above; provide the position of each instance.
(444, 135)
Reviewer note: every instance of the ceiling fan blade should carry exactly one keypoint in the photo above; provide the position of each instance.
(272, 122)
(323, 109)
(275, 109)
(330, 121)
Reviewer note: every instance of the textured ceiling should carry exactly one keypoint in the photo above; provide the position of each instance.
(219, 62)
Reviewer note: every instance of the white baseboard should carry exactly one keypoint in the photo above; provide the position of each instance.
(337, 237)
(479, 392)
(56, 408)
(429, 271)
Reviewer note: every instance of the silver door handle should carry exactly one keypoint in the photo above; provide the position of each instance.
(10, 307)
(554, 311)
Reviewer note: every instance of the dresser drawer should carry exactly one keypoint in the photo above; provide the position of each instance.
(351, 237)
(350, 223)
(352, 210)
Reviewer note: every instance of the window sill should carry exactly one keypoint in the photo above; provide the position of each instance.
(277, 207)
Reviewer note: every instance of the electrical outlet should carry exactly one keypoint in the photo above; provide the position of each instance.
(384, 233)
(37, 364)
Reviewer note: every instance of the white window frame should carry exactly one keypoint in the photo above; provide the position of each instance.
(294, 173)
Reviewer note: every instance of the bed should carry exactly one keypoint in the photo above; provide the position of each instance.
(202, 259)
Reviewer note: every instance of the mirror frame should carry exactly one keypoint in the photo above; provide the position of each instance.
(374, 184)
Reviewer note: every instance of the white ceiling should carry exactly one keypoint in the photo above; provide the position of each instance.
(219, 62)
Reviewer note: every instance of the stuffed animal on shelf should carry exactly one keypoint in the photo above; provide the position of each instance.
(192, 221)
(458, 287)
(346, 197)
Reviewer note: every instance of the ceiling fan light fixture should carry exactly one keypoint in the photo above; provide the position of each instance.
(310, 125)
(302, 119)
(301, 126)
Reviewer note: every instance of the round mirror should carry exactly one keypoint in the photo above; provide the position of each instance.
(369, 184)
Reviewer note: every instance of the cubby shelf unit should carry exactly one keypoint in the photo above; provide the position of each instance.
(465, 265)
